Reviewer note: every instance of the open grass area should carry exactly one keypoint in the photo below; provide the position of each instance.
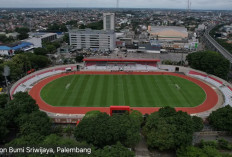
(122, 90)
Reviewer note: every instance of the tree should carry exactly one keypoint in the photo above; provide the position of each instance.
(16, 71)
(55, 140)
(221, 119)
(114, 151)
(192, 151)
(168, 129)
(209, 62)
(100, 129)
(22, 62)
(197, 123)
(38, 61)
(51, 48)
(3, 126)
(66, 38)
(3, 100)
(5, 39)
(41, 51)
(136, 117)
(20, 105)
(79, 58)
(68, 130)
(23, 33)
(23, 36)
(82, 26)
(57, 27)
(36, 122)
(96, 25)
(25, 140)
(94, 130)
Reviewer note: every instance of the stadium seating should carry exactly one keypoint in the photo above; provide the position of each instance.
(133, 67)
(226, 90)
(23, 86)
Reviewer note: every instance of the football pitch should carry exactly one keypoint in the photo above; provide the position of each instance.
(122, 90)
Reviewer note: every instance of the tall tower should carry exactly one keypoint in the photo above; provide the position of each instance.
(108, 21)
(189, 5)
(117, 6)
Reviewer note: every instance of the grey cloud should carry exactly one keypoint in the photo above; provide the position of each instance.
(196, 4)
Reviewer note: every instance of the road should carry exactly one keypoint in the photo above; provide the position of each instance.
(220, 49)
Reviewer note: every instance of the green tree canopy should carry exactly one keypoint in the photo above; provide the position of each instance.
(22, 63)
(20, 105)
(79, 58)
(221, 119)
(41, 51)
(114, 151)
(168, 129)
(100, 129)
(209, 62)
(3, 126)
(23, 32)
(3, 100)
(36, 122)
(197, 123)
(25, 140)
(192, 151)
(57, 27)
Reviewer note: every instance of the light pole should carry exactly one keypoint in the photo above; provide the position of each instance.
(5, 74)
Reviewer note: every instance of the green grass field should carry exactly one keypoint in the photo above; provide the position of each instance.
(131, 90)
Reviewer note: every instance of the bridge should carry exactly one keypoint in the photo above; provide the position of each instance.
(214, 45)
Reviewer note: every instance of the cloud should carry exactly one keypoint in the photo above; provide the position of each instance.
(196, 4)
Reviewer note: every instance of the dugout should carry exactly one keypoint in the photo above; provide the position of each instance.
(119, 109)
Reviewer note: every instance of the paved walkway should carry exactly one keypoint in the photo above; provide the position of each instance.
(141, 148)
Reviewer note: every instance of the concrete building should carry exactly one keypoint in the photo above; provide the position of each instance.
(38, 38)
(168, 33)
(152, 47)
(5, 50)
(109, 21)
(92, 39)
(18, 46)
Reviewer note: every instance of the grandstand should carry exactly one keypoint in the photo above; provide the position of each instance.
(27, 83)
(225, 89)
(121, 64)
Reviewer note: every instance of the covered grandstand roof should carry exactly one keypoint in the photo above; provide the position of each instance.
(119, 60)
(22, 45)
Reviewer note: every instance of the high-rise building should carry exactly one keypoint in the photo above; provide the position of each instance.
(92, 39)
(108, 21)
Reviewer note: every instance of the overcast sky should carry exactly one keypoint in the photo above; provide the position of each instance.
(182, 4)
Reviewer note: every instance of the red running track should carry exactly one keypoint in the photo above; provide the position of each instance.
(210, 102)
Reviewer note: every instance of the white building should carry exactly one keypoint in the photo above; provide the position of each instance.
(4, 50)
(92, 39)
(38, 38)
(109, 21)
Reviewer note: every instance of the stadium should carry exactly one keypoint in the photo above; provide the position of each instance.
(67, 92)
